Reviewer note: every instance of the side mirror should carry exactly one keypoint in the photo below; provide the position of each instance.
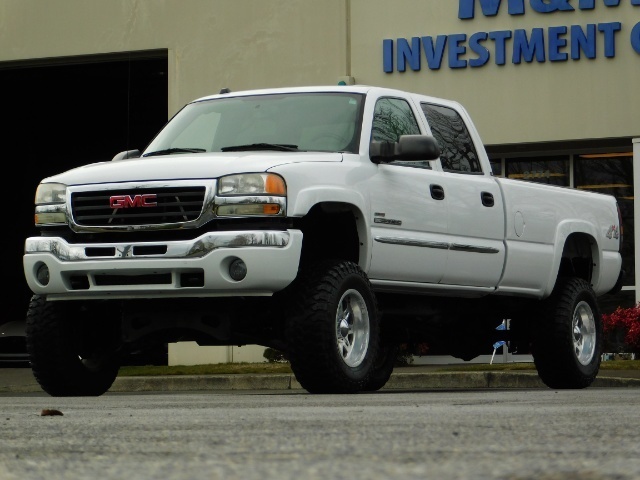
(126, 154)
(408, 148)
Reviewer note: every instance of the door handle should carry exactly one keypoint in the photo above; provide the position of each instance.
(437, 192)
(487, 199)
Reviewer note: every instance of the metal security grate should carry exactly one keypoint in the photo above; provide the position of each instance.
(151, 206)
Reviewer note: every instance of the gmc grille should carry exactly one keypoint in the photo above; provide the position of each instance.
(173, 205)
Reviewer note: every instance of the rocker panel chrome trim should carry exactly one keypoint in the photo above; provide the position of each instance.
(439, 245)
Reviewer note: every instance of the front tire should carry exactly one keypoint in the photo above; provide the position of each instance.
(568, 340)
(332, 328)
(72, 348)
(383, 367)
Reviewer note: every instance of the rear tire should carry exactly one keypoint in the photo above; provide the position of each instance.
(332, 328)
(72, 348)
(567, 341)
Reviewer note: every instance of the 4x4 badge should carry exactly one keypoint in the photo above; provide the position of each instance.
(613, 232)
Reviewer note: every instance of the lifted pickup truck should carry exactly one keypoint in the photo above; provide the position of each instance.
(331, 223)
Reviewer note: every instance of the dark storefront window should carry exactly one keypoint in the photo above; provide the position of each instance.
(496, 167)
(553, 170)
(612, 174)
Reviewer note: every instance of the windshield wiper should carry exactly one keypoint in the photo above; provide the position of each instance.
(280, 147)
(169, 151)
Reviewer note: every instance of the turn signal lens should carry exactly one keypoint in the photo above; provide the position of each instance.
(248, 209)
(274, 185)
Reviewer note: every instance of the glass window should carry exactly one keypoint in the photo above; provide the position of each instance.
(392, 118)
(552, 170)
(309, 121)
(458, 153)
(612, 174)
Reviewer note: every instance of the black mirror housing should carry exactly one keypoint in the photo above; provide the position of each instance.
(408, 148)
(126, 154)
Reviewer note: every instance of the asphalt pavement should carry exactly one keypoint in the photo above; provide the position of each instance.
(21, 380)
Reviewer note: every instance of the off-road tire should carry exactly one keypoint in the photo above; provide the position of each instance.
(328, 352)
(71, 349)
(567, 338)
(383, 367)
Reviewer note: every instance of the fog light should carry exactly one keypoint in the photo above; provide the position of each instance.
(42, 274)
(237, 270)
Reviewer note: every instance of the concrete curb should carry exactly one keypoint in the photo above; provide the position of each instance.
(398, 381)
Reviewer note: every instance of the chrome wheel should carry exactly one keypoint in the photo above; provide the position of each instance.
(584, 333)
(352, 328)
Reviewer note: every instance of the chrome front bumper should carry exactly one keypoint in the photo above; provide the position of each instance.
(196, 268)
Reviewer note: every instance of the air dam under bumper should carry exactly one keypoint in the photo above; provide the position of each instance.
(191, 268)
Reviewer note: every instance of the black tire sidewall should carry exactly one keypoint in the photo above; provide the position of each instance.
(52, 347)
(553, 348)
(311, 328)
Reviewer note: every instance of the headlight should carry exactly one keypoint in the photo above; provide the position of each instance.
(252, 184)
(251, 194)
(50, 202)
(48, 193)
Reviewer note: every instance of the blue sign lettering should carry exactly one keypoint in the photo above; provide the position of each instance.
(434, 53)
(522, 47)
(476, 45)
(537, 45)
(550, 6)
(635, 37)
(466, 8)
(583, 42)
(609, 30)
(555, 43)
(408, 53)
(500, 39)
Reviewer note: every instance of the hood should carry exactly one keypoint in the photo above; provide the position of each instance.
(185, 166)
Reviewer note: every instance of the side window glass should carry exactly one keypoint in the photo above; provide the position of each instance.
(392, 118)
(458, 151)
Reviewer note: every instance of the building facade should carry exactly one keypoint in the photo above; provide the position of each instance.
(552, 85)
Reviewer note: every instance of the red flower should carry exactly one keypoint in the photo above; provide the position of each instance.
(626, 321)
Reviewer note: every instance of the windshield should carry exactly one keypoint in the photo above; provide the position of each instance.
(327, 121)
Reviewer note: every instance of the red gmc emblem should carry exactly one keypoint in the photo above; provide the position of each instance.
(128, 201)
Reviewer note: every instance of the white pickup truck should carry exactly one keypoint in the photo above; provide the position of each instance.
(330, 223)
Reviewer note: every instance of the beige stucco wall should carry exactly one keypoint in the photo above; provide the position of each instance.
(189, 353)
(238, 44)
(263, 43)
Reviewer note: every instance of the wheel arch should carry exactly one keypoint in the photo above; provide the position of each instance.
(577, 254)
(334, 229)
